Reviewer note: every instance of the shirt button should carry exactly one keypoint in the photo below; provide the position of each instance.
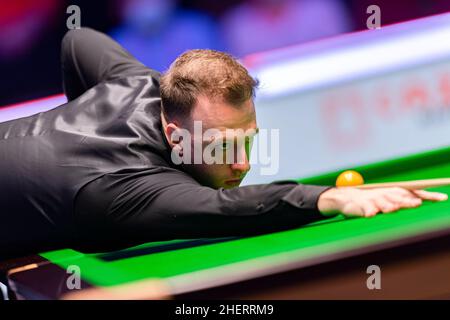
(260, 207)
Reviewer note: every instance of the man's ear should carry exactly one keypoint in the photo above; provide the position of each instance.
(174, 134)
(169, 130)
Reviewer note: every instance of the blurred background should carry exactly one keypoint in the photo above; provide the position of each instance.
(156, 31)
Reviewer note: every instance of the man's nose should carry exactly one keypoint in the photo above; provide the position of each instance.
(242, 163)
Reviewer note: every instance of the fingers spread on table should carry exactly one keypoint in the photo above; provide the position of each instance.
(385, 205)
(410, 201)
(431, 196)
(369, 209)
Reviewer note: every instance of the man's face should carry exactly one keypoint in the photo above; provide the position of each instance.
(227, 134)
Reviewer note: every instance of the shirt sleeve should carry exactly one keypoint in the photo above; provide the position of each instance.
(169, 204)
(89, 57)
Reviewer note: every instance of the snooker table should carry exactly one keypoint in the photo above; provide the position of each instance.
(323, 260)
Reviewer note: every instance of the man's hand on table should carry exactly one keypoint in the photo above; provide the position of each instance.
(367, 203)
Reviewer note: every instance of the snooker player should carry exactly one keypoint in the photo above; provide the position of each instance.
(97, 172)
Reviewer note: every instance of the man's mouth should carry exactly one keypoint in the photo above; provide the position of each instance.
(233, 181)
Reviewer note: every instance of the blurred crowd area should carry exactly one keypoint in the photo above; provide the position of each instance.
(157, 31)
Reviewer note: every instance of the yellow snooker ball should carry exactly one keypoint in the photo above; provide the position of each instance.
(349, 178)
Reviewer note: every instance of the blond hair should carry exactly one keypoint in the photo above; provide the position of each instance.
(215, 74)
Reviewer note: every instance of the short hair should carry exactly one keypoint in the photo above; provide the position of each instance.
(215, 74)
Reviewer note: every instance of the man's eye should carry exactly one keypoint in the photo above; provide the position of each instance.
(226, 145)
